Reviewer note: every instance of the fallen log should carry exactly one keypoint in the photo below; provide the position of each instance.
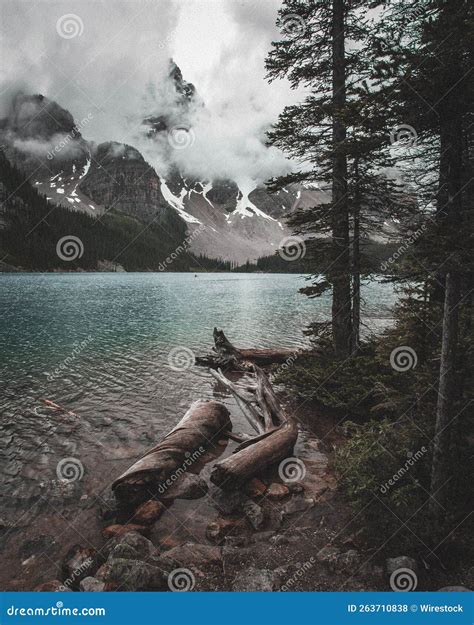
(226, 355)
(252, 459)
(202, 425)
(277, 434)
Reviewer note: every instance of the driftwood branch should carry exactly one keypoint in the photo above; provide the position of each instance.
(208, 421)
(243, 399)
(275, 441)
(226, 356)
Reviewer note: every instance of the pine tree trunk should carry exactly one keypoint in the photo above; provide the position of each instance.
(440, 477)
(450, 216)
(340, 274)
(356, 264)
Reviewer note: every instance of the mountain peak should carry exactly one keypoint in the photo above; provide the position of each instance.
(37, 117)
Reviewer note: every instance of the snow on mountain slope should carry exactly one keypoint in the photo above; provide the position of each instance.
(63, 189)
(231, 224)
(177, 202)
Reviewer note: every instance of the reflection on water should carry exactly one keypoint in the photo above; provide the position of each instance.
(98, 344)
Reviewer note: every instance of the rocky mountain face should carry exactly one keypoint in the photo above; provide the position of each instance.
(120, 178)
(222, 221)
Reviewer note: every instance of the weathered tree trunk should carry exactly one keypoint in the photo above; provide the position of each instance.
(339, 274)
(204, 423)
(276, 437)
(251, 459)
(227, 356)
(440, 476)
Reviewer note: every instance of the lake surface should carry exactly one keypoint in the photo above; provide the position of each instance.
(112, 348)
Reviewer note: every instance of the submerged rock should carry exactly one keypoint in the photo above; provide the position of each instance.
(219, 529)
(277, 491)
(148, 512)
(131, 575)
(119, 530)
(131, 545)
(255, 488)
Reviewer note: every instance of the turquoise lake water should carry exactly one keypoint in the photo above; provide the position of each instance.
(114, 349)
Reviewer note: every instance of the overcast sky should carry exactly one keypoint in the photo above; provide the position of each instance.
(99, 56)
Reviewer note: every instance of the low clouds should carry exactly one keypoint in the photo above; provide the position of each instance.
(115, 70)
